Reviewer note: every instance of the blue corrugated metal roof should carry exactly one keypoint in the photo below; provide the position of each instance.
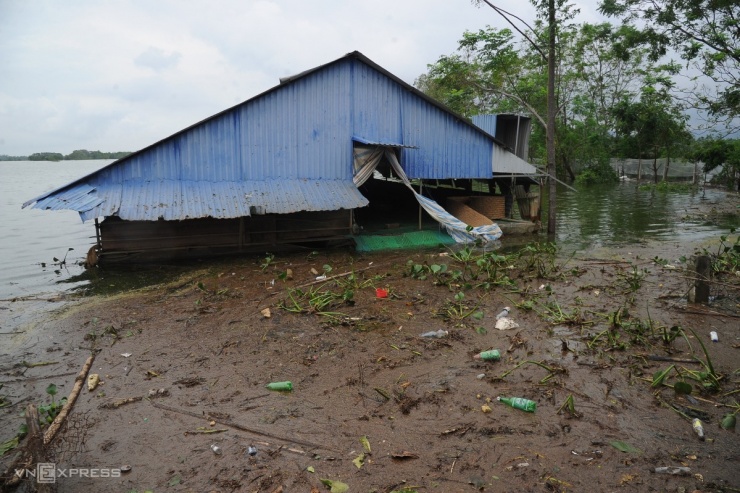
(285, 150)
(178, 200)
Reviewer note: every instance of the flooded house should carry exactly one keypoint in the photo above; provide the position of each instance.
(334, 154)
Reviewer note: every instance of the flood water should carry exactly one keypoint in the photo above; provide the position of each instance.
(615, 216)
(600, 217)
(32, 238)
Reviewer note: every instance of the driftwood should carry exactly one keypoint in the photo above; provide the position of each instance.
(35, 445)
(231, 424)
(656, 357)
(79, 381)
(119, 402)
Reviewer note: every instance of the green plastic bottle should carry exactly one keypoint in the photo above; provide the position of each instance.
(519, 403)
(491, 355)
(280, 386)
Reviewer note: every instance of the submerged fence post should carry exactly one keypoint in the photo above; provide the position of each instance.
(700, 292)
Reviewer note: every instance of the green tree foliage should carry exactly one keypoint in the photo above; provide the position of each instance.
(46, 156)
(706, 34)
(716, 153)
(653, 126)
(598, 66)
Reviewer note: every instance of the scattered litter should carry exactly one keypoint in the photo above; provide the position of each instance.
(125, 468)
(125, 355)
(522, 464)
(216, 449)
(322, 277)
(158, 393)
(486, 408)
(519, 403)
(480, 376)
(287, 385)
(503, 313)
(435, 334)
(492, 355)
(674, 470)
(314, 271)
(92, 381)
(381, 293)
(713, 336)
(266, 313)
(288, 274)
(698, 427)
(252, 451)
(506, 324)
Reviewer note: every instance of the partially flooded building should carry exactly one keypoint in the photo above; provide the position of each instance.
(326, 155)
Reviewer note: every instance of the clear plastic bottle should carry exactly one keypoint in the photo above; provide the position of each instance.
(436, 334)
(698, 428)
(503, 313)
(519, 403)
(491, 355)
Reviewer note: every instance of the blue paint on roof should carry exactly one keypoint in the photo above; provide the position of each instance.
(286, 150)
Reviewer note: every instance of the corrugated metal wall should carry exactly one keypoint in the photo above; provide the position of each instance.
(445, 147)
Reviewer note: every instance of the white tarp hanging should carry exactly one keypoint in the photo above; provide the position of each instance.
(366, 159)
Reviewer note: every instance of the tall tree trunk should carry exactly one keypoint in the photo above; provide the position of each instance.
(551, 118)
(667, 164)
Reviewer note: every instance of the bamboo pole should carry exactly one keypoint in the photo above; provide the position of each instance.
(79, 382)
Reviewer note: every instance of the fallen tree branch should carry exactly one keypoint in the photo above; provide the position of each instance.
(656, 357)
(79, 381)
(231, 424)
(711, 312)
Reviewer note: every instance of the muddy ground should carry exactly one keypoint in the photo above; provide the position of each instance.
(193, 356)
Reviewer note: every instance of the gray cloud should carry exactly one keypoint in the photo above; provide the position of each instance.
(157, 59)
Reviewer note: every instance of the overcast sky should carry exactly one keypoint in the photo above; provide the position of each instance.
(121, 75)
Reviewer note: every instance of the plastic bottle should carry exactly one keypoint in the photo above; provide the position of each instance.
(698, 428)
(280, 385)
(519, 403)
(435, 334)
(674, 470)
(216, 449)
(492, 355)
(503, 313)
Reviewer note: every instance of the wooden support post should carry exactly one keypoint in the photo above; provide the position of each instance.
(700, 292)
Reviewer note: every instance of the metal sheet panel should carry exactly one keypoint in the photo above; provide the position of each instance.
(179, 200)
(506, 162)
(286, 150)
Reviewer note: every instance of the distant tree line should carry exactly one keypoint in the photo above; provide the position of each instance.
(78, 155)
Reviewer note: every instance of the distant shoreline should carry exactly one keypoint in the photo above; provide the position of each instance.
(78, 155)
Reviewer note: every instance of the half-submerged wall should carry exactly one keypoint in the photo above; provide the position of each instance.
(145, 241)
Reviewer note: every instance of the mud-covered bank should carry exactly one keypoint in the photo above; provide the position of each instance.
(379, 408)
